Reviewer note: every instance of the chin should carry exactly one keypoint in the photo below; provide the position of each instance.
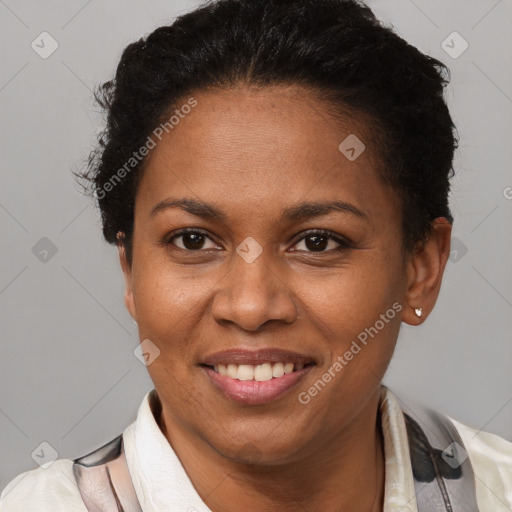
(259, 450)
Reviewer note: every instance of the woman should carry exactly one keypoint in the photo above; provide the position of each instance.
(276, 177)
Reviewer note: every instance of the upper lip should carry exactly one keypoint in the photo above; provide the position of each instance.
(255, 357)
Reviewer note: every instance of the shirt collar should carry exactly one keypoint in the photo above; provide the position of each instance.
(399, 493)
(161, 482)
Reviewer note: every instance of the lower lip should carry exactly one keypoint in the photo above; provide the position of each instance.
(252, 392)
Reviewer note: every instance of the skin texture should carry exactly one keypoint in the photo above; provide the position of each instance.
(252, 153)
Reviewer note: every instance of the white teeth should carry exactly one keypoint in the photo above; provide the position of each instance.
(232, 371)
(263, 372)
(278, 370)
(245, 372)
(288, 368)
(259, 373)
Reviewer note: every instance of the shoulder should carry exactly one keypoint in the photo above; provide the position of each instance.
(51, 489)
(491, 458)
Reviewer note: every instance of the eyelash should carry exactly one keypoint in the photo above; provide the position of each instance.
(343, 243)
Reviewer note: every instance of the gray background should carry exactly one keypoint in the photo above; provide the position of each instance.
(68, 373)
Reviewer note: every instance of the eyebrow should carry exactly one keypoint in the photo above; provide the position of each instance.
(299, 212)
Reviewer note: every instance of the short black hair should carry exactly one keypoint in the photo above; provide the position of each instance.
(336, 47)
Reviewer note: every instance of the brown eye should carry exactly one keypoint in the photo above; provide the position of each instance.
(191, 240)
(322, 242)
(316, 242)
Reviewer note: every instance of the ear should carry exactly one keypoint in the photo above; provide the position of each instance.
(425, 269)
(127, 271)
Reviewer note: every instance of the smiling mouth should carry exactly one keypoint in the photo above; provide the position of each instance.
(259, 373)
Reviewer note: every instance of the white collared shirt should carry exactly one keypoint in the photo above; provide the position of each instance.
(162, 484)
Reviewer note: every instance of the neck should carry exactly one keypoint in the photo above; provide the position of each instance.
(345, 472)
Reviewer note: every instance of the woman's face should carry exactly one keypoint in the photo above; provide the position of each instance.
(255, 277)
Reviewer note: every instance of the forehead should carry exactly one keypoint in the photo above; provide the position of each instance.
(263, 146)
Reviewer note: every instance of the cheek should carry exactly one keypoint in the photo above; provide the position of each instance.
(164, 300)
(164, 310)
(346, 301)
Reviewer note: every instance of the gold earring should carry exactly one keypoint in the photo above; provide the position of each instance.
(418, 312)
(120, 235)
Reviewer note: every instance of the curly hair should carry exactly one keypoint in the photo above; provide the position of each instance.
(335, 47)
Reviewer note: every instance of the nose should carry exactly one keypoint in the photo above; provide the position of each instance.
(252, 294)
